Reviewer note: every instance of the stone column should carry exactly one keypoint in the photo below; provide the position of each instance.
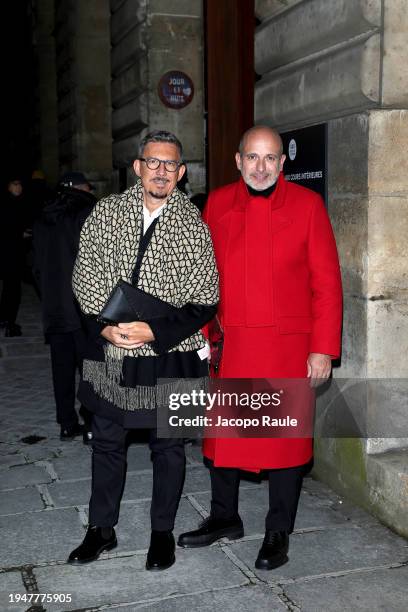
(348, 66)
(84, 101)
(47, 89)
(150, 38)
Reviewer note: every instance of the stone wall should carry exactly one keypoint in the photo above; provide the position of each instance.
(146, 43)
(328, 67)
(347, 65)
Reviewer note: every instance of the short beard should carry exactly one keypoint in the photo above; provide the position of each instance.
(158, 196)
(257, 188)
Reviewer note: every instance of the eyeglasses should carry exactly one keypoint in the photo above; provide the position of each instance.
(153, 163)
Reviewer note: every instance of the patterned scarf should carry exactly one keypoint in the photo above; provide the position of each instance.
(177, 267)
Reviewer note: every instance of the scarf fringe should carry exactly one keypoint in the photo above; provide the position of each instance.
(105, 379)
(178, 267)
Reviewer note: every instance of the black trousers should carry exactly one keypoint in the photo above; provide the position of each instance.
(109, 472)
(284, 491)
(66, 359)
(10, 298)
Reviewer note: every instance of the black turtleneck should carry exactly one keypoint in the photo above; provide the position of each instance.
(265, 193)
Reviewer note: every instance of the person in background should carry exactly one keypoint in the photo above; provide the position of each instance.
(56, 239)
(37, 195)
(12, 253)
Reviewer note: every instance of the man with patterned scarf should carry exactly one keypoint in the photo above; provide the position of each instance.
(151, 236)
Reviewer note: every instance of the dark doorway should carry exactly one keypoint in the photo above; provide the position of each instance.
(230, 78)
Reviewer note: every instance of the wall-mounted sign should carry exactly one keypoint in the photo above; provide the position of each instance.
(176, 89)
(306, 157)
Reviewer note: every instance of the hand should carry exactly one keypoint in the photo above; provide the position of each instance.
(128, 335)
(318, 368)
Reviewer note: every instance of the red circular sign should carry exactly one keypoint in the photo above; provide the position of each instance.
(176, 89)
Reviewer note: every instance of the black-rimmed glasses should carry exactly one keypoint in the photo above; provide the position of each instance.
(154, 162)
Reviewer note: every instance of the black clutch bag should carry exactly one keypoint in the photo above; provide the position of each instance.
(127, 303)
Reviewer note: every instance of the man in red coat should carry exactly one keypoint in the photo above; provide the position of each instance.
(281, 312)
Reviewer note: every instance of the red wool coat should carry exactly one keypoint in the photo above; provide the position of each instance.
(280, 299)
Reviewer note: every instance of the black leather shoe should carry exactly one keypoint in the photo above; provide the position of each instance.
(161, 550)
(211, 530)
(92, 546)
(69, 433)
(274, 550)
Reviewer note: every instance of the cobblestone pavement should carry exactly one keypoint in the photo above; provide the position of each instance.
(341, 558)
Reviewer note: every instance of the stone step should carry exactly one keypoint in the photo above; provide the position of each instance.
(28, 331)
(24, 363)
(387, 475)
(29, 322)
(13, 347)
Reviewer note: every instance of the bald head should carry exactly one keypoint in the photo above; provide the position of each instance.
(262, 131)
(259, 158)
